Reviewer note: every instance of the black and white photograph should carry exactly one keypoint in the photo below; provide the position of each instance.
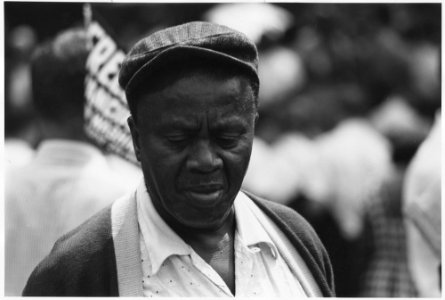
(222, 149)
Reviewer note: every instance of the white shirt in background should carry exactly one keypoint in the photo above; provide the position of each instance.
(65, 183)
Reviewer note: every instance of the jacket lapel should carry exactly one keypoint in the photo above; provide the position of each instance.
(126, 246)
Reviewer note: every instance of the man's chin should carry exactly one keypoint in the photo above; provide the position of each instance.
(205, 223)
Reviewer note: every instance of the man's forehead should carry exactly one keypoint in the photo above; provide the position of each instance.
(166, 78)
(200, 90)
(230, 114)
(216, 116)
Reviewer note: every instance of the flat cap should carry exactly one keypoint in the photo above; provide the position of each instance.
(166, 47)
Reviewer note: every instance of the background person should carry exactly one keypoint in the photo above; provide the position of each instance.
(422, 205)
(68, 179)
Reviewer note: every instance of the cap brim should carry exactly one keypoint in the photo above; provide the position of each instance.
(183, 53)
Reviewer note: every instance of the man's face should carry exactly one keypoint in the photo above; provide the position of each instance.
(194, 140)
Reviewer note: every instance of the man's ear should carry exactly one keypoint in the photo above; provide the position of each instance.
(256, 117)
(135, 137)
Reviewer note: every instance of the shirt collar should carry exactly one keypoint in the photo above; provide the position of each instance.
(249, 228)
(67, 151)
(160, 240)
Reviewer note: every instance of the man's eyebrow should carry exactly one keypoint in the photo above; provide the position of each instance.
(230, 121)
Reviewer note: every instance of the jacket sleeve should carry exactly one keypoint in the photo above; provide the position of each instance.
(81, 263)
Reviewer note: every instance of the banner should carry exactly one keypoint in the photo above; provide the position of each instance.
(106, 108)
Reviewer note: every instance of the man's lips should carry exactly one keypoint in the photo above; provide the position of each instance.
(204, 188)
(204, 195)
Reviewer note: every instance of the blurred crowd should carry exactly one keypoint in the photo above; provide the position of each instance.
(349, 129)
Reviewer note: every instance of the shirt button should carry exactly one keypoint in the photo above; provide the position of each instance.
(255, 249)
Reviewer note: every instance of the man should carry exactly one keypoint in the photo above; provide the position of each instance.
(188, 230)
(67, 180)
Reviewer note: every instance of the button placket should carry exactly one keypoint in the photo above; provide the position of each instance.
(209, 273)
(243, 268)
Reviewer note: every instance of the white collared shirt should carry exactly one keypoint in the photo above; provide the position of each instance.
(171, 268)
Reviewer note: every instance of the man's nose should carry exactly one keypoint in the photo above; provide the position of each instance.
(203, 157)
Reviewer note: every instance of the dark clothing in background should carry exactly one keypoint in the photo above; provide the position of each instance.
(348, 257)
(375, 263)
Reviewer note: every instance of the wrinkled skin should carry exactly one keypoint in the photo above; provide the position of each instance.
(194, 141)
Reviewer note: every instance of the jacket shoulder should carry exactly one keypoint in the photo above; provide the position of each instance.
(81, 262)
(288, 217)
(304, 238)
